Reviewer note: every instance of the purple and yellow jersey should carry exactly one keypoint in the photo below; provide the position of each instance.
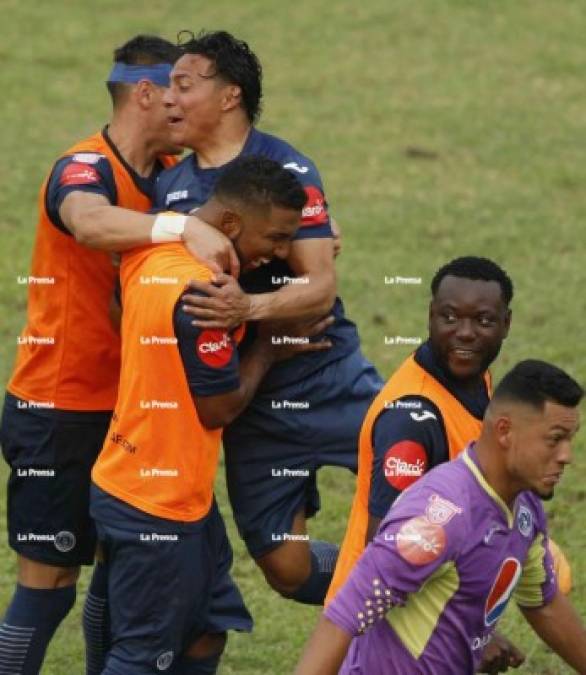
(427, 593)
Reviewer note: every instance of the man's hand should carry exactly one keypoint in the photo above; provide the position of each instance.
(286, 340)
(223, 305)
(499, 655)
(210, 246)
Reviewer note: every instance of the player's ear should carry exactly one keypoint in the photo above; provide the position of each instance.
(232, 97)
(502, 428)
(144, 94)
(231, 224)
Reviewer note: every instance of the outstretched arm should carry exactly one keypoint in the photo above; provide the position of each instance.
(96, 223)
(560, 627)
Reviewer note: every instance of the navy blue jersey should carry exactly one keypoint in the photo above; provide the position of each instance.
(187, 186)
(416, 421)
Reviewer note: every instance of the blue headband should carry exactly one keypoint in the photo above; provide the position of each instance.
(157, 73)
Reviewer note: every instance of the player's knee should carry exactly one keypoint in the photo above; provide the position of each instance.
(34, 574)
(206, 646)
(285, 574)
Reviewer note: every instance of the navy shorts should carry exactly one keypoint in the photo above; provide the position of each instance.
(51, 454)
(273, 450)
(168, 583)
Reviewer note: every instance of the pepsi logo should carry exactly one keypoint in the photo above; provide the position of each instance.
(214, 348)
(405, 462)
(501, 590)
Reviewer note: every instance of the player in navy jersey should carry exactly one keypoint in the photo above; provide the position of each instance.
(307, 412)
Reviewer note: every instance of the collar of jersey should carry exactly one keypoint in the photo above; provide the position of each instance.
(471, 464)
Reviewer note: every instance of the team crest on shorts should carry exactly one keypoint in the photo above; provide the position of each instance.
(524, 521)
(165, 660)
(440, 511)
(64, 541)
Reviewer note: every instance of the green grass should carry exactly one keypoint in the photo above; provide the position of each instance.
(492, 91)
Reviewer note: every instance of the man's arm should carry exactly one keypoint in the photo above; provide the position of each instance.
(317, 660)
(312, 260)
(408, 440)
(225, 304)
(95, 223)
(560, 627)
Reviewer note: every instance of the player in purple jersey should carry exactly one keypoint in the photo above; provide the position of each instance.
(307, 413)
(426, 595)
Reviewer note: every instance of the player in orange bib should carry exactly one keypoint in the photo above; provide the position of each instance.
(63, 388)
(167, 556)
(433, 404)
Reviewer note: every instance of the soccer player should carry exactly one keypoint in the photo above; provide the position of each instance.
(166, 553)
(308, 410)
(427, 593)
(57, 408)
(433, 404)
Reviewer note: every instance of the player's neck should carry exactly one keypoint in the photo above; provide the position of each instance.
(133, 144)
(223, 145)
(494, 472)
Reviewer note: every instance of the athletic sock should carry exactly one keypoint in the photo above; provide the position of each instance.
(207, 666)
(28, 626)
(96, 629)
(323, 563)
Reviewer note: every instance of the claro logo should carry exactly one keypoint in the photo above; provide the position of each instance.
(214, 348)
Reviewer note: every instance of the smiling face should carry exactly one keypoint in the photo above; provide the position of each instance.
(265, 234)
(196, 100)
(538, 445)
(468, 321)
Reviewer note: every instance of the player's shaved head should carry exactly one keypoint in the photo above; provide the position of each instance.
(141, 50)
(534, 382)
(528, 429)
(257, 204)
(476, 269)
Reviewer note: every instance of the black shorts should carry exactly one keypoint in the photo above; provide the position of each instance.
(51, 454)
(168, 583)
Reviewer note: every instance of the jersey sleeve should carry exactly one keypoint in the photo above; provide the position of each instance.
(210, 357)
(537, 585)
(408, 440)
(81, 172)
(315, 218)
(411, 546)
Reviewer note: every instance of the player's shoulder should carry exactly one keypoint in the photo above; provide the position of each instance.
(436, 506)
(412, 408)
(445, 486)
(283, 152)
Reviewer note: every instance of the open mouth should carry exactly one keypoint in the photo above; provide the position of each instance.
(171, 120)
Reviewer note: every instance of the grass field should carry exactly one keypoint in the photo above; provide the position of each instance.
(440, 127)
